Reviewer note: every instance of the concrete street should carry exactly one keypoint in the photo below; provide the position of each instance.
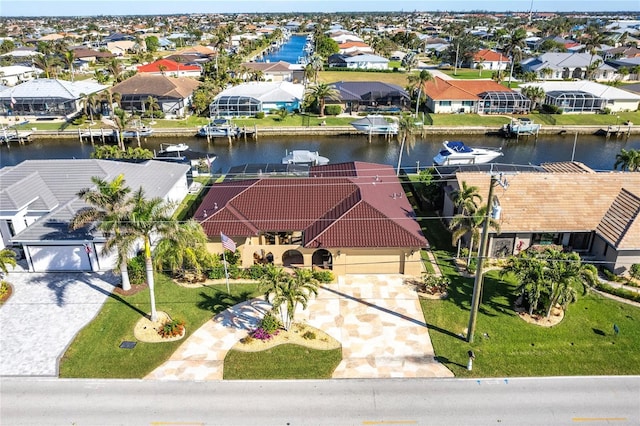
(527, 401)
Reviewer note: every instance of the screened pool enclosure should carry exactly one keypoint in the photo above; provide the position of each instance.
(574, 101)
(507, 102)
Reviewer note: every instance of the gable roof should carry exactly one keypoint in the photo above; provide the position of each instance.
(51, 187)
(169, 66)
(486, 55)
(439, 89)
(266, 67)
(157, 85)
(340, 205)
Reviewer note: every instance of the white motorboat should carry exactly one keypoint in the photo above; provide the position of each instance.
(166, 148)
(299, 156)
(376, 125)
(456, 152)
(219, 127)
(137, 131)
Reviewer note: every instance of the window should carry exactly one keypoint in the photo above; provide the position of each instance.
(467, 103)
(444, 103)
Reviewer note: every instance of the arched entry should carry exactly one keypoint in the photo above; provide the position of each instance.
(292, 257)
(322, 259)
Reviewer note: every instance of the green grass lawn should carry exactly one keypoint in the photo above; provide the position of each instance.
(582, 344)
(282, 362)
(95, 351)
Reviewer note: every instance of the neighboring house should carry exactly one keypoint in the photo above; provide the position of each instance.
(354, 47)
(357, 96)
(562, 66)
(362, 61)
(248, 99)
(46, 97)
(489, 60)
(268, 71)
(621, 52)
(90, 55)
(596, 214)
(38, 198)
(122, 47)
(171, 68)
(473, 96)
(586, 96)
(16, 74)
(173, 94)
(348, 217)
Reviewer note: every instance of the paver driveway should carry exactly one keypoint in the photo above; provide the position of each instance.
(43, 315)
(377, 318)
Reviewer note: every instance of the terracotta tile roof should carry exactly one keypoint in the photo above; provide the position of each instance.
(555, 202)
(486, 55)
(169, 66)
(440, 89)
(279, 66)
(157, 85)
(566, 167)
(348, 44)
(340, 205)
(200, 49)
(620, 226)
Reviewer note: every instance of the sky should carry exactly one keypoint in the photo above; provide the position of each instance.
(164, 7)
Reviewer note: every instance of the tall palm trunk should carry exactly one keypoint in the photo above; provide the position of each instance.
(470, 250)
(124, 274)
(150, 281)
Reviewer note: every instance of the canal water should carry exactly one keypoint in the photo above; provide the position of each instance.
(594, 151)
(290, 51)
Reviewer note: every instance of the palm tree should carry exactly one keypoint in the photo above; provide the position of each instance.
(419, 80)
(529, 272)
(628, 160)
(535, 94)
(317, 64)
(471, 223)
(108, 208)
(7, 257)
(285, 291)
(152, 105)
(184, 250)
(406, 126)
(596, 37)
(546, 72)
(146, 219)
(320, 93)
(69, 57)
(514, 48)
(465, 198)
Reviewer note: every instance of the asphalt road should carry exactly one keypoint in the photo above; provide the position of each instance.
(527, 401)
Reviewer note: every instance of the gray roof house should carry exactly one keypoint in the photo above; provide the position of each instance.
(46, 97)
(568, 65)
(38, 198)
(363, 61)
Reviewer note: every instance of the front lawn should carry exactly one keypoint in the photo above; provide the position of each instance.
(282, 362)
(95, 351)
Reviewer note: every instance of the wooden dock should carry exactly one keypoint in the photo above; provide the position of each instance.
(13, 135)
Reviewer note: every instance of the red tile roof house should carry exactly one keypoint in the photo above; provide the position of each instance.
(349, 217)
(490, 60)
(594, 213)
(170, 68)
(473, 96)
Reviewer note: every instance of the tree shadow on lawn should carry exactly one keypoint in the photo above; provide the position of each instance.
(497, 296)
(220, 301)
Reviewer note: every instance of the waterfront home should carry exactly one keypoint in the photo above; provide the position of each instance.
(16, 74)
(350, 218)
(568, 204)
(46, 98)
(173, 94)
(38, 198)
(268, 71)
(248, 99)
(473, 96)
(586, 96)
(358, 61)
(370, 96)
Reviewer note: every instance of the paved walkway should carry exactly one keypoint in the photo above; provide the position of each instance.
(44, 314)
(377, 319)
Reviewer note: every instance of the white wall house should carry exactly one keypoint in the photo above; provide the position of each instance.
(38, 198)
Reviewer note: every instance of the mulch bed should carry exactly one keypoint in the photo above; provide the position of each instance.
(135, 288)
(7, 295)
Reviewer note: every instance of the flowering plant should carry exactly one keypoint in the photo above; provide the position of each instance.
(262, 334)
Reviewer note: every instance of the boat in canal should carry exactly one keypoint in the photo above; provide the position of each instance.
(456, 153)
(375, 124)
(182, 153)
(520, 126)
(219, 127)
(301, 156)
(136, 131)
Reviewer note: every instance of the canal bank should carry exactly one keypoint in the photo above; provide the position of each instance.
(252, 132)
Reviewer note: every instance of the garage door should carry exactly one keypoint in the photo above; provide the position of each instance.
(59, 258)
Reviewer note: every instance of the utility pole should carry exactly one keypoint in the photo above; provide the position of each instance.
(477, 284)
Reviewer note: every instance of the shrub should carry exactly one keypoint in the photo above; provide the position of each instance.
(610, 276)
(323, 276)
(254, 272)
(635, 271)
(260, 115)
(309, 335)
(262, 334)
(434, 285)
(620, 292)
(270, 322)
(172, 328)
(137, 272)
(333, 109)
(216, 272)
(4, 289)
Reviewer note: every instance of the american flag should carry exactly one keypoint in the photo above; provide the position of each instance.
(227, 242)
